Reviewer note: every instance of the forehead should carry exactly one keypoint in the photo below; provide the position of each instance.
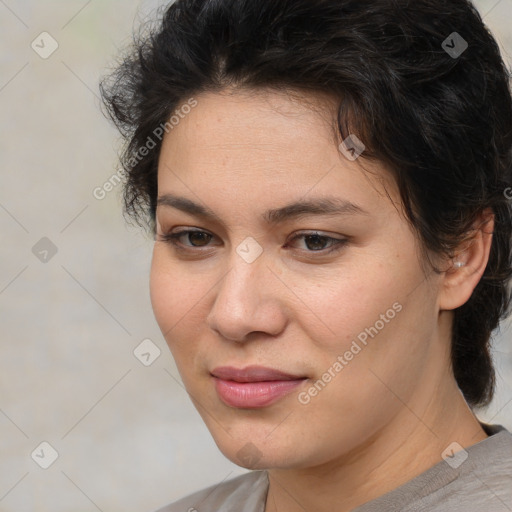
(235, 115)
(286, 142)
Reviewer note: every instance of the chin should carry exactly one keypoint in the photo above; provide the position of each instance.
(251, 452)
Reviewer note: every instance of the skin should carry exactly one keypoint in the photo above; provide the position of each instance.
(395, 407)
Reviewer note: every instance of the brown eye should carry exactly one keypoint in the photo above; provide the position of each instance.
(198, 238)
(315, 242)
(195, 238)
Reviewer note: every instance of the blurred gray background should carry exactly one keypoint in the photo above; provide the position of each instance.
(74, 298)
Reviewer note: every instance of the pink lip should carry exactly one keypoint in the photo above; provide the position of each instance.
(254, 386)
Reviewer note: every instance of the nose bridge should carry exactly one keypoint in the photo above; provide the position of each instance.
(246, 298)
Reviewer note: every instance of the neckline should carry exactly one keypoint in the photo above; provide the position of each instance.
(440, 474)
(432, 479)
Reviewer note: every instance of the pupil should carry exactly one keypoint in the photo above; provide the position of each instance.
(318, 241)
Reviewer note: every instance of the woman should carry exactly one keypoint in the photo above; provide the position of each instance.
(326, 181)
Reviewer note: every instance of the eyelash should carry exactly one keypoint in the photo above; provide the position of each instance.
(172, 238)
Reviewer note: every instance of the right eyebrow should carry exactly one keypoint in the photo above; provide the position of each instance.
(186, 205)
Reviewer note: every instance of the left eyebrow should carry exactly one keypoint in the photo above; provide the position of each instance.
(332, 206)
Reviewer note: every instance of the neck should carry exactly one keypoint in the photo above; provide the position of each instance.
(410, 444)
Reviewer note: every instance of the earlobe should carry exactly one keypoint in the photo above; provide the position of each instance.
(468, 266)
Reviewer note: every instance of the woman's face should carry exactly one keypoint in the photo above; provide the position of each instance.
(336, 300)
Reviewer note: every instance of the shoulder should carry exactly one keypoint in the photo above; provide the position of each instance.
(480, 480)
(245, 493)
(477, 479)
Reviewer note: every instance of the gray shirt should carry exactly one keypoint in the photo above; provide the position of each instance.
(480, 483)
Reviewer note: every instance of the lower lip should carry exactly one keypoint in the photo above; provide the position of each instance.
(252, 395)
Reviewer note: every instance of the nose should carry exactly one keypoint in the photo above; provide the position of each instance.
(248, 301)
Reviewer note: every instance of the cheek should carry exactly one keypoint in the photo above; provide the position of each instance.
(367, 318)
(341, 305)
(178, 301)
(177, 297)
(383, 335)
(163, 293)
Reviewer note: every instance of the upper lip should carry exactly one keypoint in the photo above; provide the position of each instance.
(252, 374)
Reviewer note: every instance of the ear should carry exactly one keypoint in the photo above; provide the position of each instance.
(459, 282)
